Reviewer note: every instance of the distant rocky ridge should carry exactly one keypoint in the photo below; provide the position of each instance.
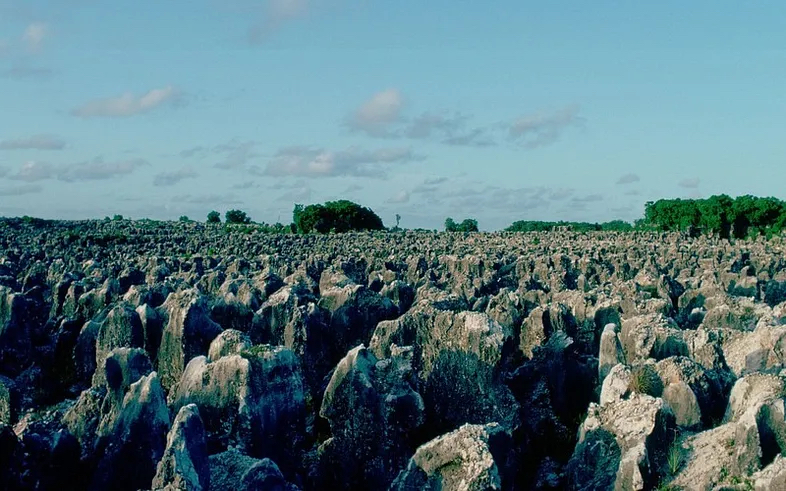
(180, 356)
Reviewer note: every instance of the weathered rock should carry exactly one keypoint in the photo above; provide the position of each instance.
(458, 358)
(471, 458)
(122, 328)
(643, 429)
(233, 470)
(611, 352)
(184, 465)
(373, 410)
(652, 336)
(137, 441)
(229, 342)
(254, 400)
(188, 333)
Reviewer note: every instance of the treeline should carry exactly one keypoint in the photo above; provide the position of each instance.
(540, 226)
(744, 216)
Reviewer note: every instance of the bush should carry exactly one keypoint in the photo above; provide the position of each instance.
(213, 217)
(184, 219)
(237, 216)
(335, 216)
(468, 225)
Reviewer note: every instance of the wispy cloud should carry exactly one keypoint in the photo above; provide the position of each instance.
(353, 161)
(542, 128)
(691, 183)
(236, 154)
(34, 36)
(208, 199)
(32, 171)
(20, 190)
(590, 198)
(171, 178)
(96, 169)
(401, 197)
(22, 70)
(628, 179)
(35, 142)
(276, 14)
(127, 104)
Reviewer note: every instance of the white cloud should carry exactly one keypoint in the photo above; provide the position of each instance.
(378, 114)
(354, 161)
(628, 179)
(34, 36)
(127, 104)
(174, 177)
(543, 128)
(691, 183)
(20, 190)
(35, 142)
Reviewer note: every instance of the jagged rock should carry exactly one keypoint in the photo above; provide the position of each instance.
(542, 322)
(8, 402)
(184, 465)
(137, 440)
(771, 477)
(188, 333)
(254, 400)
(372, 408)
(229, 342)
(471, 458)
(121, 328)
(16, 329)
(616, 384)
(458, 358)
(611, 352)
(233, 470)
(643, 429)
(651, 336)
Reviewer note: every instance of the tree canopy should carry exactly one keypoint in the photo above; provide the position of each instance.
(214, 217)
(541, 226)
(738, 217)
(335, 216)
(467, 225)
(237, 216)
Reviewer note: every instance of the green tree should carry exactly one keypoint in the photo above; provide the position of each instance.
(184, 218)
(214, 217)
(450, 225)
(237, 216)
(467, 225)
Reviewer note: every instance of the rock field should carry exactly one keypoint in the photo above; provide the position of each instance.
(181, 356)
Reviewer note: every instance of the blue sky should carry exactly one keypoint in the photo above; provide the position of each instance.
(506, 111)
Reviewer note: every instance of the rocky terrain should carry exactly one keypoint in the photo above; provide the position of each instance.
(181, 356)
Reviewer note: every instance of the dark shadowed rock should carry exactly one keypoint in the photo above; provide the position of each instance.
(185, 464)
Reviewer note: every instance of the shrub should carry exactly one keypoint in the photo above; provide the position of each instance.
(645, 380)
(184, 219)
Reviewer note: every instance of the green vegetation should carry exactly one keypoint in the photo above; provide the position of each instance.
(213, 217)
(741, 217)
(540, 226)
(335, 216)
(644, 379)
(184, 219)
(236, 216)
(468, 225)
(674, 458)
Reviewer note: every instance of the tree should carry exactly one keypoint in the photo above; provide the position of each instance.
(213, 217)
(338, 216)
(184, 219)
(237, 216)
(467, 225)
(398, 220)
